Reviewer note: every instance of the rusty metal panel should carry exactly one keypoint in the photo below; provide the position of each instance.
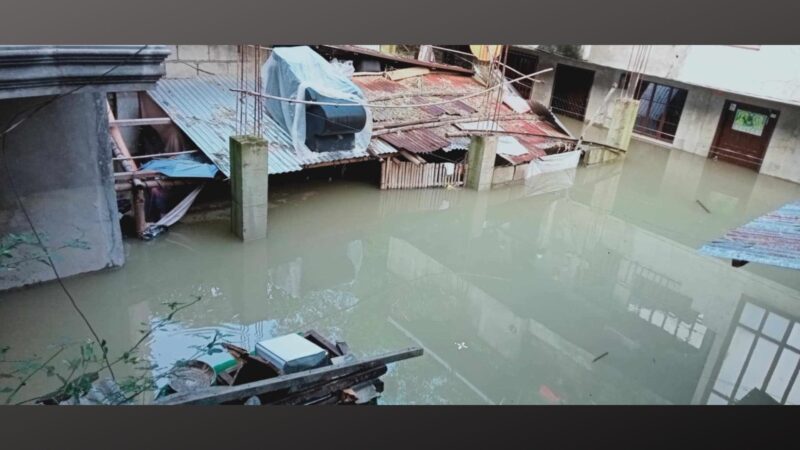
(772, 239)
(416, 141)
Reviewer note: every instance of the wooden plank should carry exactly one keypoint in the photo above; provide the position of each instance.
(323, 390)
(139, 174)
(129, 185)
(401, 59)
(410, 156)
(218, 394)
(392, 168)
(410, 72)
(155, 155)
(140, 122)
(383, 175)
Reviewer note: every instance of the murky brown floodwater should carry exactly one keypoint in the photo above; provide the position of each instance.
(513, 293)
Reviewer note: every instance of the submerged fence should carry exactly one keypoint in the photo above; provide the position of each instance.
(407, 175)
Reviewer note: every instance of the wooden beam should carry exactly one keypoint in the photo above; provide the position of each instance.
(411, 157)
(125, 186)
(140, 122)
(217, 395)
(119, 147)
(136, 175)
(139, 211)
(155, 155)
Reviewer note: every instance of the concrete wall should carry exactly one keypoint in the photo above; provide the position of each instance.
(698, 124)
(769, 72)
(60, 162)
(187, 61)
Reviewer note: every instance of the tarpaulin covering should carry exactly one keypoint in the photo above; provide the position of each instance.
(554, 163)
(182, 166)
(288, 73)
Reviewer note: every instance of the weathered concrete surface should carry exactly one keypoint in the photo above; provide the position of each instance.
(502, 175)
(480, 160)
(186, 61)
(128, 108)
(39, 70)
(623, 118)
(701, 113)
(249, 187)
(521, 171)
(60, 162)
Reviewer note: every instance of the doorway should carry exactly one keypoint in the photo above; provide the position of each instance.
(743, 134)
(571, 89)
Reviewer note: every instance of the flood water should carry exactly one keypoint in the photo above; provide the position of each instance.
(513, 293)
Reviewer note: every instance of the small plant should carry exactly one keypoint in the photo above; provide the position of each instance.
(78, 375)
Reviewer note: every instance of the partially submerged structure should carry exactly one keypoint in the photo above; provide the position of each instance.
(58, 209)
(421, 145)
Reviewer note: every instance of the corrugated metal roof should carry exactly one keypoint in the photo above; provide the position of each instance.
(772, 239)
(205, 109)
(380, 90)
(416, 141)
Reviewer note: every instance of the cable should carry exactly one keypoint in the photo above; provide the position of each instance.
(369, 105)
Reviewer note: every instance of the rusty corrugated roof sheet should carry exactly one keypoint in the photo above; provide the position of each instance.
(416, 141)
(381, 90)
(772, 239)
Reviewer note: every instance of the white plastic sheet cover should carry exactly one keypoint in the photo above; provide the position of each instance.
(288, 72)
(554, 163)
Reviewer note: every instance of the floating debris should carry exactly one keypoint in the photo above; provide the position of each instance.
(703, 206)
(600, 357)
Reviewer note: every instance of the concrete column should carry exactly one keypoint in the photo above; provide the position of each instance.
(623, 117)
(249, 176)
(480, 162)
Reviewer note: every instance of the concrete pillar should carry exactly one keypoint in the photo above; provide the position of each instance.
(480, 162)
(623, 117)
(249, 176)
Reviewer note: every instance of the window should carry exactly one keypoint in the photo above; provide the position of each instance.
(660, 110)
(525, 64)
(763, 354)
(571, 87)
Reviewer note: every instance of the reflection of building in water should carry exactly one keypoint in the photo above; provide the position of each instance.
(763, 351)
(651, 293)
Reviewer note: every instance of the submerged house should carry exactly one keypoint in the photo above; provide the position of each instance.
(733, 103)
(419, 146)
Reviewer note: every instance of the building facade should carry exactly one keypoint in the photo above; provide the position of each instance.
(739, 104)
